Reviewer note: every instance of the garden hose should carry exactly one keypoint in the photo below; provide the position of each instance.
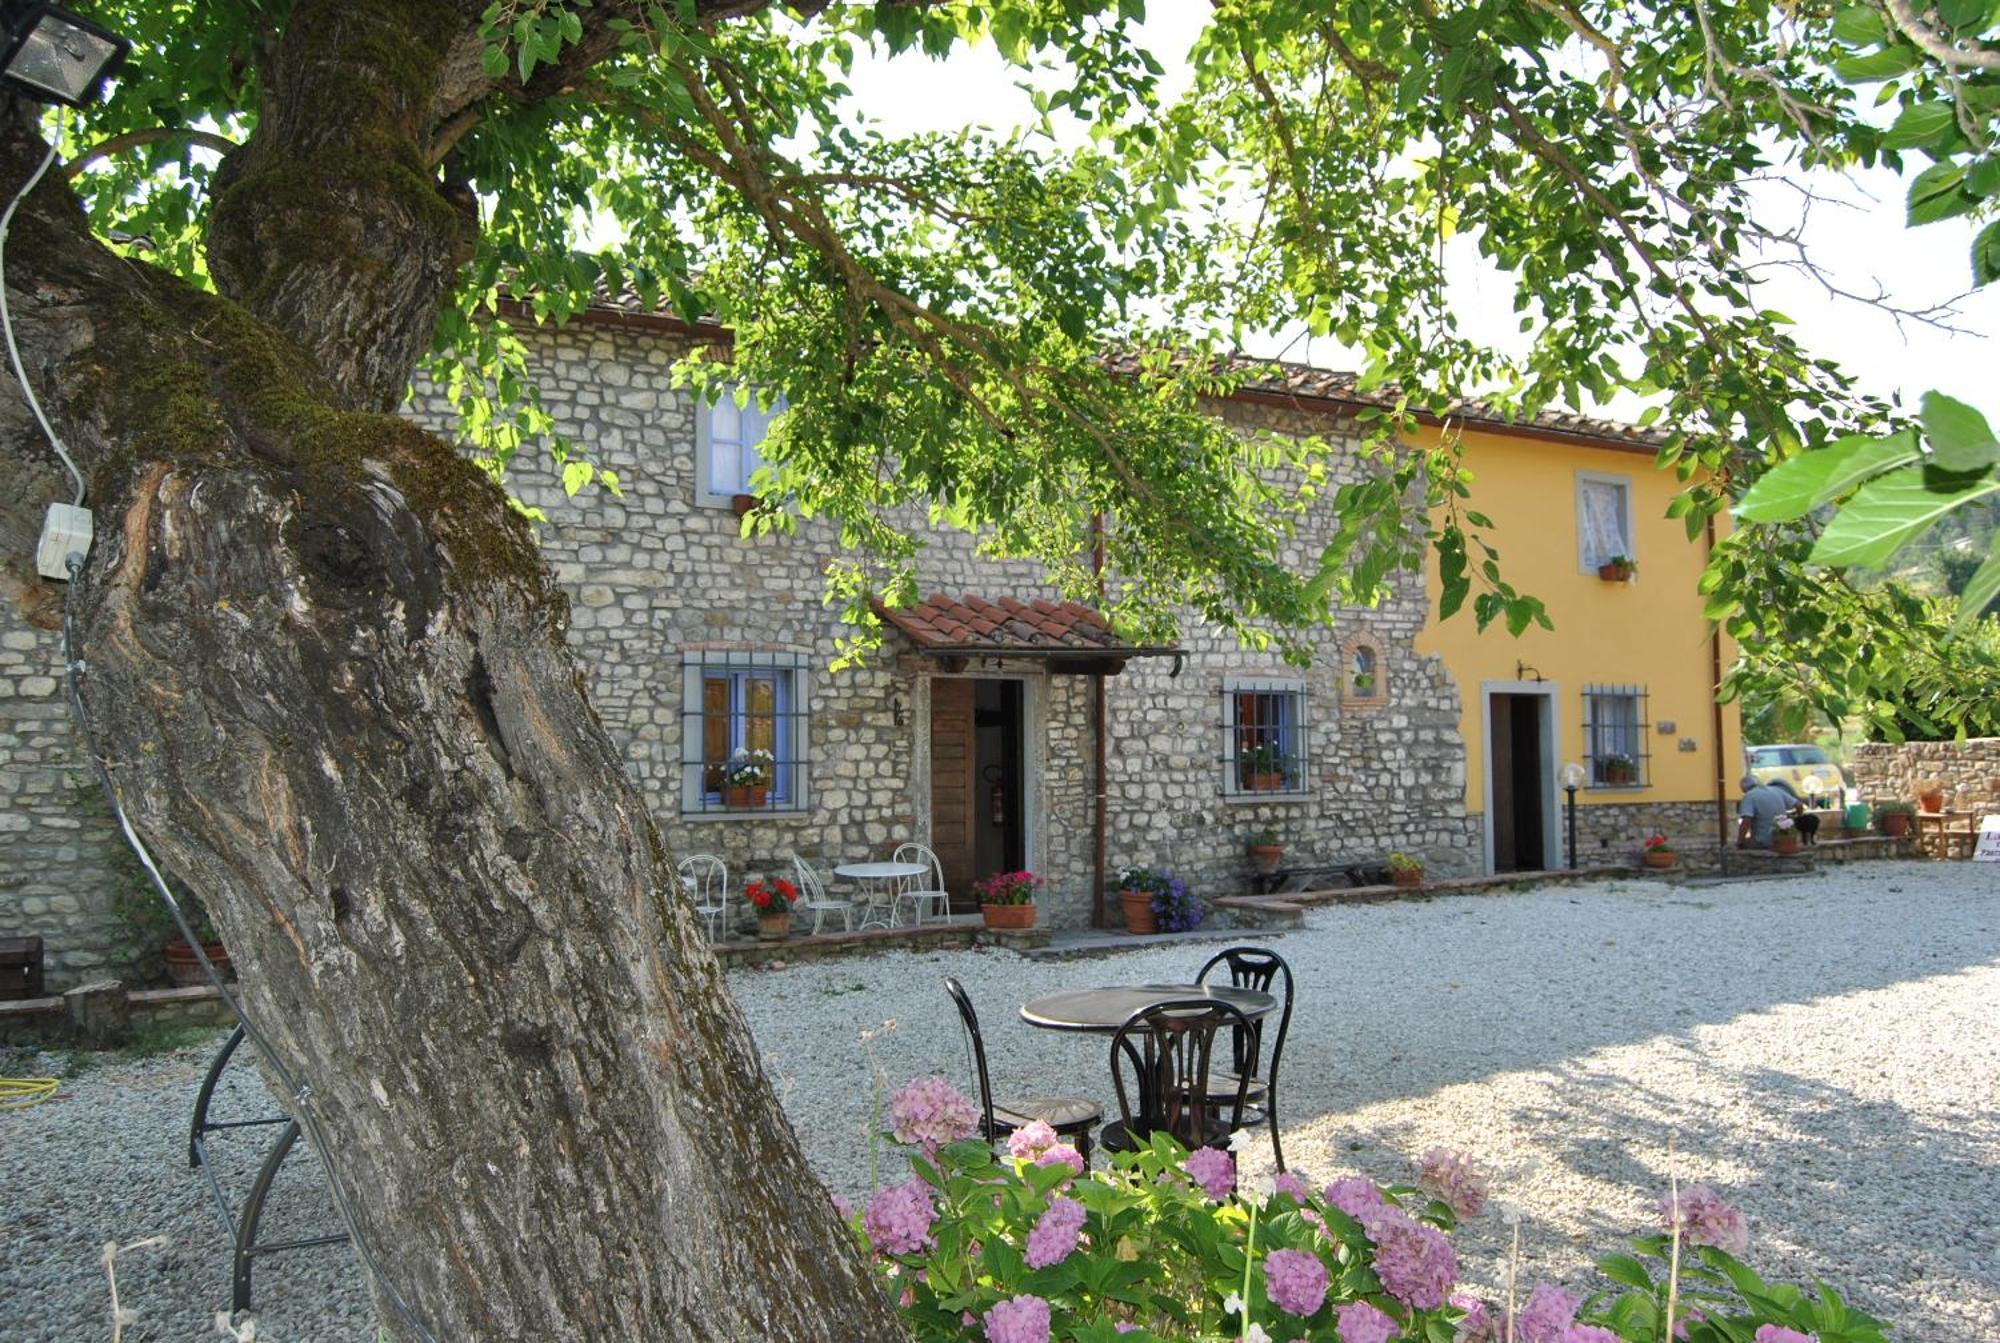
(18, 1093)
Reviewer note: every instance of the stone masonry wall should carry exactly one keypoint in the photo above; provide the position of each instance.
(1969, 770)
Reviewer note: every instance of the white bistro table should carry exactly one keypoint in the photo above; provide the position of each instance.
(878, 883)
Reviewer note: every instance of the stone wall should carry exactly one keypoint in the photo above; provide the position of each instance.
(1969, 771)
(1613, 832)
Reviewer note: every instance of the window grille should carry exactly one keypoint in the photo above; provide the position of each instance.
(1263, 737)
(1615, 736)
(744, 739)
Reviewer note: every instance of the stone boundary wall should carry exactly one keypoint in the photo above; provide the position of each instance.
(1613, 832)
(1969, 770)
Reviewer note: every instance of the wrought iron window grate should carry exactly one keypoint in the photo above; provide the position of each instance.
(1263, 737)
(745, 743)
(1615, 737)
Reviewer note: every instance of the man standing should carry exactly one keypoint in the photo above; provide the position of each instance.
(1760, 808)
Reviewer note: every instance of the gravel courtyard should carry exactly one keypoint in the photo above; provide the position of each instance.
(1821, 1049)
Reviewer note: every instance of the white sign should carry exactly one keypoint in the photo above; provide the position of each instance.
(1988, 848)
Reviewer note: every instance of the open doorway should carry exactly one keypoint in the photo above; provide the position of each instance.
(1520, 780)
(978, 781)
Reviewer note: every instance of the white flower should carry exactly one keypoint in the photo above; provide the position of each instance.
(1255, 1334)
(1232, 1304)
(1241, 1139)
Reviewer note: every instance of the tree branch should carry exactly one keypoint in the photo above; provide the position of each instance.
(118, 144)
(1934, 44)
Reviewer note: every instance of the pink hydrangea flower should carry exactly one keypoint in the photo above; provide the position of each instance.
(1022, 1319)
(1414, 1261)
(1286, 1182)
(1547, 1316)
(1777, 1333)
(1706, 1220)
(1589, 1333)
(1452, 1179)
(1690, 1315)
(931, 1112)
(844, 1208)
(1061, 1154)
(898, 1220)
(1297, 1281)
(1031, 1140)
(1214, 1170)
(1359, 1322)
(1055, 1233)
(1354, 1195)
(1477, 1326)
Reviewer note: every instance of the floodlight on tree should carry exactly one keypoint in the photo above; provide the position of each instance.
(55, 56)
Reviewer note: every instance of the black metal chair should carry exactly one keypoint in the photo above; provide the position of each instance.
(1160, 1067)
(1259, 969)
(1070, 1116)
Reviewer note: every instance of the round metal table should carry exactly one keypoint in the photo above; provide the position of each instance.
(1105, 1010)
(878, 880)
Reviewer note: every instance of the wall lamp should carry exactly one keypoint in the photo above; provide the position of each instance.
(55, 56)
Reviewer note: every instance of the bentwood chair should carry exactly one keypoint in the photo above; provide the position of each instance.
(813, 896)
(1161, 1068)
(925, 891)
(1261, 970)
(1071, 1117)
(706, 881)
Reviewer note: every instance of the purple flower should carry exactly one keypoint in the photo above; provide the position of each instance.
(1359, 1322)
(1706, 1220)
(1690, 1315)
(931, 1112)
(1477, 1326)
(1285, 1182)
(1547, 1316)
(1414, 1261)
(1061, 1154)
(898, 1220)
(1031, 1140)
(1214, 1170)
(1777, 1333)
(1055, 1233)
(1452, 1179)
(1589, 1333)
(1297, 1281)
(1353, 1195)
(844, 1208)
(1126, 1327)
(1023, 1319)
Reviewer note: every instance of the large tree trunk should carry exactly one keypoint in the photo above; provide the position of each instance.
(328, 672)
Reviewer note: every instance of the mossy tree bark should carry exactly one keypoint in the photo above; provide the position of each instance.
(328, 672)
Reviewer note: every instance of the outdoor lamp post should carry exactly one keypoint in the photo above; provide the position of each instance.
(1572, 779)
(1814, 786)
(55, 56)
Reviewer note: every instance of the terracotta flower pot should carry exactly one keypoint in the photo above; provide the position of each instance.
(185, 970)
(775, 926)
(1931, 801)
(1404, 877)
(1008, 916)
(745, 797)
(1654, 858)
(1266, 857)
(1267, 783)
(1788, 842)
(742, 503)
(1615, 573)
(1896, 824)
(1138, 907)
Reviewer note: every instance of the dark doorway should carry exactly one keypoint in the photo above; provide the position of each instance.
(978, 793)
(1520, 780)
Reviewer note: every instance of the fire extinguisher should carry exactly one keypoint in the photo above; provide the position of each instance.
(996, 801)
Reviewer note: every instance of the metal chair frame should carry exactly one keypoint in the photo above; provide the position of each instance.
(934, 894)
(992, 1126)
(1168, 1048)
(705, 877)
(812, 895)
(1257, 968)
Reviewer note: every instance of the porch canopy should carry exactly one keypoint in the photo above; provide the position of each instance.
(1070, 637)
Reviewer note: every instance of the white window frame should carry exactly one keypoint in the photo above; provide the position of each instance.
(1584, 563)
(1301, 757)
(705, 492)
(696, 666)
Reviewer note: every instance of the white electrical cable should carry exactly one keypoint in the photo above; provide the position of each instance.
(7, 318)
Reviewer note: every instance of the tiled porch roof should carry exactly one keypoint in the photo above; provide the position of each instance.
(972, 626)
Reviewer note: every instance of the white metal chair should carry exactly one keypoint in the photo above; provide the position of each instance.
(813, 896)
(706, 881)
(926, 890)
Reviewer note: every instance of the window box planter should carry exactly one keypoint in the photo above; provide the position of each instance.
(745, 798)
(1264, 783)
(1008, 916)
(739, 504)
(1616, 571)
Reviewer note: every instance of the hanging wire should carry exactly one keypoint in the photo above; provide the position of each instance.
(7, 317)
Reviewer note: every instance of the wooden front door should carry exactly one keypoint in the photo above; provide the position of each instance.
(953, 790)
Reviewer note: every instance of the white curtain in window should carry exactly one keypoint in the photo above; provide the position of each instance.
(1600, 520)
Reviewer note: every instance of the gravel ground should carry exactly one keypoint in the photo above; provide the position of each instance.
(1821, 1049)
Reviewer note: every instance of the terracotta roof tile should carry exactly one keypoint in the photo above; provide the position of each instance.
(976, 625)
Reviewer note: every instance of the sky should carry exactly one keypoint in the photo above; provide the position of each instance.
(1864, 248)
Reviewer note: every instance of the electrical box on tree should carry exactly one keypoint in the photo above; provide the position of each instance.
(65, 532)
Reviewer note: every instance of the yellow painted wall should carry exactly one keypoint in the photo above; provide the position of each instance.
(1649, 632)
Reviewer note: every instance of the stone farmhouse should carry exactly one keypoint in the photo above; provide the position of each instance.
(979, 726)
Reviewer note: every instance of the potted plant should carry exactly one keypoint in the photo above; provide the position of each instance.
(1658, 852)
(1263, 769)
(1893, 818)
(1619, 771)
(1176, 909)
(1617, 569)
(1785, 835)
(1136, 888)
(1265, 851)
(1007, 899)
(742, 503)
(1405, 870)
(153, 926)
(1930, 792)
(773, 901)
(748, 780)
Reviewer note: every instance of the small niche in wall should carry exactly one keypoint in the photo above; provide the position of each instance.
(1364, 676)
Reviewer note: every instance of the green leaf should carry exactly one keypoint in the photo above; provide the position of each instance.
(1624, 1268)
(1796, 487)
(1980, 591)
(1961, 440)
(1920, 124)
(1885, 513)
(1936, 194)
(1986, 254)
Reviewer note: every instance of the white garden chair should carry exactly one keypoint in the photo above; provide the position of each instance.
(925, 891)
(706, 880)
(813, 896)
